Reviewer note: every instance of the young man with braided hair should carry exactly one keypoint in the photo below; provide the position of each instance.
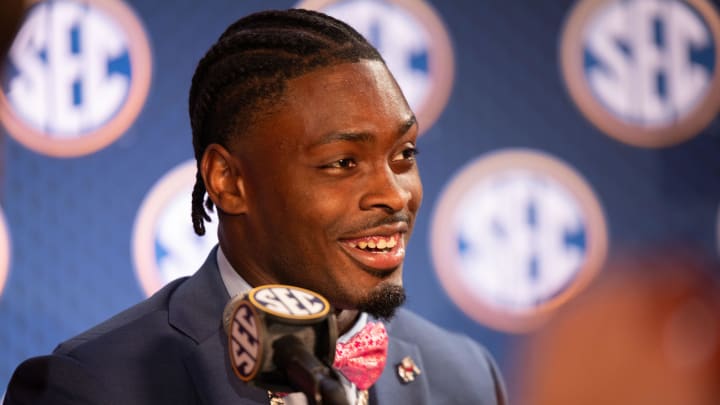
(305, 146)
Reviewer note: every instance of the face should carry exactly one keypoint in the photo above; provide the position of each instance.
(331, 185)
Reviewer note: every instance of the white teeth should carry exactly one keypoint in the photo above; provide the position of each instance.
(382, 243)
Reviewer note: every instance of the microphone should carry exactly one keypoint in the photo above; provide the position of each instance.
(282, 338)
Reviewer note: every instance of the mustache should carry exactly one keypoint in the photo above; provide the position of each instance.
(386, 220)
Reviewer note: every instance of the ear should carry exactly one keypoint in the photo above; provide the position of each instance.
(223, 180)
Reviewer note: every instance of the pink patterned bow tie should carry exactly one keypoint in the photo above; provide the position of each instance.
(362, 358)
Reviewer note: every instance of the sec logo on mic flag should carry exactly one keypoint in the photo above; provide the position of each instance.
(244, 337)
(413, 42)
(256, 320)
(164, 245)
(289, 302)
(77, 76)
(514, 235)
(645, 72)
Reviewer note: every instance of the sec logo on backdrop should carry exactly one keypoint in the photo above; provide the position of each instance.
(4, 252)
(77, 76)
(645, 72)
(165, 246)
(514, 235)
(413, 41)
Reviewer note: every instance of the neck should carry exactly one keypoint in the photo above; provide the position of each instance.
(239, 261)
(346, 319)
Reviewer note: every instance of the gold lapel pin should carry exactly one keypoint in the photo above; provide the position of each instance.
(407, 370)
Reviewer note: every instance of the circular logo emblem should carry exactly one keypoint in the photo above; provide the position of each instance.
(76, 78)
(644, 71)
(4, 252)
(244, 338)
(289, 302)
(413, 41)
(165, 246)
(514, 235)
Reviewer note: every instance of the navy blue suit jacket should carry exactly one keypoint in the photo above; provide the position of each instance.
(171, 349)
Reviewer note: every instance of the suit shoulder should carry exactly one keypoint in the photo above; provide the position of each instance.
(143, 312)
(137, 355)
(443, 351)
(411, 327)
(55, 379)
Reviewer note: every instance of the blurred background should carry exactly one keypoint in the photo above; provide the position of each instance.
(569, 155)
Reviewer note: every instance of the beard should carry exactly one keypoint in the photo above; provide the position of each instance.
(382, 302)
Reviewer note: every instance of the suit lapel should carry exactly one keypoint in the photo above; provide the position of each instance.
(195, 310)
(196, 307)
(389, 389)
(214, 380)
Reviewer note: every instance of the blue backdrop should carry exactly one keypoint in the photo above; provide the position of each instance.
(70, 220)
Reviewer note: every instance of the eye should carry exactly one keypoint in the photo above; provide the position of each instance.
(407, 154)
(341, 164)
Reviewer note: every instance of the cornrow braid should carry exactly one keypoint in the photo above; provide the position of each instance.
(245, 72)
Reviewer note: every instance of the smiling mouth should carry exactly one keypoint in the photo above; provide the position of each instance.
(376, 244)
(377, 253)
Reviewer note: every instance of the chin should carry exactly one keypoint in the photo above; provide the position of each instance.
(383, 300)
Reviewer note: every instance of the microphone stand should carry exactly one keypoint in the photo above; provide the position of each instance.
(306, 373)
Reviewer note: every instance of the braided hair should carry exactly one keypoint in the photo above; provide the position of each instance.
(245, 73)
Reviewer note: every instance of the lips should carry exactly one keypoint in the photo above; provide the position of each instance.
(380, 252)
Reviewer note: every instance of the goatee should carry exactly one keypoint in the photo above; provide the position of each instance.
(382, 302)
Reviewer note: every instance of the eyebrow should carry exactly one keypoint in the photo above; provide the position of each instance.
(405, 127)
(362, 137)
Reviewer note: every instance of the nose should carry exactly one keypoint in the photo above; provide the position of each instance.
(386, 190)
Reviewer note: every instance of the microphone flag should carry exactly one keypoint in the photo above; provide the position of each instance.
(261, 320)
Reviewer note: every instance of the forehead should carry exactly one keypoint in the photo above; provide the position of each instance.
(368, 75)
(361, 94)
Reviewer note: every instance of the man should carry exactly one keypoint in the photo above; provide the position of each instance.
(306, 147)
